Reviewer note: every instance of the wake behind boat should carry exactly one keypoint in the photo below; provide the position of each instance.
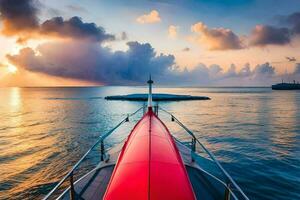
(151, 164)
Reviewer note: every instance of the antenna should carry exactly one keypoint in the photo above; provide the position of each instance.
(150, 82)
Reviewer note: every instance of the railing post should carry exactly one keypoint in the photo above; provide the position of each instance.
(193, 147)
(156, 109)
(72, 190)
(127, 118)
(227, 192)
(102, 150)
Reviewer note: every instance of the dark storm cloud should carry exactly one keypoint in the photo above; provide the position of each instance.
(19, 18)
(294, 21)
(86, 59)
(18, 15)
(74, 28)
(89, 61)
(264, 35)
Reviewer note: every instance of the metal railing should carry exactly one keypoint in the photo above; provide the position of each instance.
(230, 182)
(100, 140)
(229, 185)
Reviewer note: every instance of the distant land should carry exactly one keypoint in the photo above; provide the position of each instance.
(156, 97)
(286, 86)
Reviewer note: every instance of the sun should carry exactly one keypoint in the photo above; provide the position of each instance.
(12, 69)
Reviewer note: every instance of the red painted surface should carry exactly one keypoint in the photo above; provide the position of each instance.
(149, 166)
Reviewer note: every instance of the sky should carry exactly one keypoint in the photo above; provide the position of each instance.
(180, 42)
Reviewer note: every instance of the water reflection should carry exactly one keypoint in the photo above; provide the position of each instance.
(15, 98)
(284, 119)
(46, 130)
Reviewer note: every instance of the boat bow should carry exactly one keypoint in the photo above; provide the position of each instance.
(149, 165)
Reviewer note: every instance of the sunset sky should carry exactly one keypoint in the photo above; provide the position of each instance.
(180, 42)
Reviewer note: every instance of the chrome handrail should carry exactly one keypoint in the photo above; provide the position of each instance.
(209, 174)
(207, 151)
(100, 139)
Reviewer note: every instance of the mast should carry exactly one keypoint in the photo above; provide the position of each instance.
(150, 82)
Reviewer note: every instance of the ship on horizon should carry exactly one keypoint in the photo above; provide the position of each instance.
(286, 86)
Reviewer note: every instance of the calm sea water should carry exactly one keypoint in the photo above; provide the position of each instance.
(254, 132)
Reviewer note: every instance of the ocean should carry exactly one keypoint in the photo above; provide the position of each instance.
(254, 133)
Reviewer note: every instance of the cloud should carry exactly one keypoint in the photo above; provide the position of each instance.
(74, 28)
(261, 35)
(231, 72)
(89, 61)
(83, 56)
(261, 71)
(245, 71)
(294, 21)
(264, 70)
(216, 38)
(152, 17)
(172, 31)
(20, 19)
(18, 16)
(265, 35)
(260, 75)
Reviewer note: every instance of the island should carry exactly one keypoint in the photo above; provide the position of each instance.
(156, 97)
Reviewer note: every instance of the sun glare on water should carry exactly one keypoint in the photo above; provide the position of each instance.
(12, 69)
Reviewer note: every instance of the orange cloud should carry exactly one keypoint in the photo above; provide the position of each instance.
(216, 38)
(172, 31)
(152, 17)
(20, 19)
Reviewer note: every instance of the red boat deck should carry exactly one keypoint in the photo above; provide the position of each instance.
(149, 165)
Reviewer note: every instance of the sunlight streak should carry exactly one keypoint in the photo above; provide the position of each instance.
(12, 69)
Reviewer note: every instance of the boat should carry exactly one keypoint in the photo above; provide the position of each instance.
(286, 86)
(152, 163)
